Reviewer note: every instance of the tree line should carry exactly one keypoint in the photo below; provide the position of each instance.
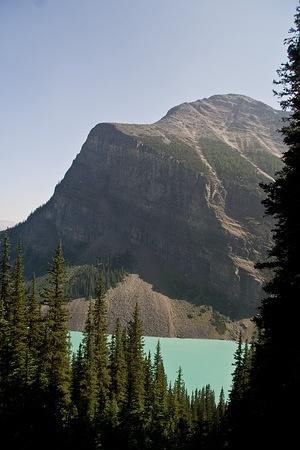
(108, 395)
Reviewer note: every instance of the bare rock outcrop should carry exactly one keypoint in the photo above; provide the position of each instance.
(161, 315)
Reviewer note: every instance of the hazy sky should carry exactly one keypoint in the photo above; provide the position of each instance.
(66, 65)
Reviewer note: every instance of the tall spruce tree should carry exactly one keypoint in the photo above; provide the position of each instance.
(89, 382)
(135, 364)
(101, 351)
(118, 367)
(56, 356)
(236, 393)
(6, 290)
(5, 280)
(135, 405)
(18, 328)
(159, 392)
(221, 408)
(34, 335)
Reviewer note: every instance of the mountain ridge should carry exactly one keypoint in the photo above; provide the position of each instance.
(181, 196)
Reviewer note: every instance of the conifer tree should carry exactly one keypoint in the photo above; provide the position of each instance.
(5, 318)
(236, 393)
(101, 352)
(135, 364)
(18, 328)
(221, 407)
(77, 379)
(34, 335)
(149, 390)
(56, 357)
(118, 367)
(89, 382)
(5, 280)
(160, 388)
(135, 404)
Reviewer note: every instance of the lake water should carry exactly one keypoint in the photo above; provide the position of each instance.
(203, 361)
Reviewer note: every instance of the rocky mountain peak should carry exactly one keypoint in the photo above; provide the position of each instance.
(177, 201)
(237, 119)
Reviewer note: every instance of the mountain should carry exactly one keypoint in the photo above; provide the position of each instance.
(4, 224)
(177, 202)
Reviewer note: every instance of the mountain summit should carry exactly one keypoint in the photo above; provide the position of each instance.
(177, 201)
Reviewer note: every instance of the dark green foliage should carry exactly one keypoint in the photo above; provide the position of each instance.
(267, 376)
(6, 291)
(89, 395)
(219, 322)
(135, 364)
(18, 327)
(56, 354)
(5, 280)
(118, 368)
(269, 163)
(221, 408)
(177, 149)
(110, 396)
(275, 385)
(230, 165)
(34, 336)
(81, 281)
(101, 352)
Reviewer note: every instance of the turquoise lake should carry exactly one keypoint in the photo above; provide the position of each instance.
(203, 361)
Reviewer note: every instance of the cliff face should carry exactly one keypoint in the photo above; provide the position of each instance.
(180, 198)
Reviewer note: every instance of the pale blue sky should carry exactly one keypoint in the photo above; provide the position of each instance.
(66, 65)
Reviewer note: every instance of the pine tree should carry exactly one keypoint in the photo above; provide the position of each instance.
(5, 320)
(89, 382)
(5, 280)
(149, 390)
(77, 379)
(181, 412)
(221, 407)
(135, 364)
(101, 352)
(118, 367)
(34, 336)
(236, 393)
(18, 328)
(135, 404)
(56, 357)
(160, 387)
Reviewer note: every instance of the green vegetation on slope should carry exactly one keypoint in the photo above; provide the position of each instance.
(81, 281)
(178, 150)
(230, 165)
(267, 162)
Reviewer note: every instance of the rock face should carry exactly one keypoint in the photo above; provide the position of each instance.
(161, 315)
(179, 198)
